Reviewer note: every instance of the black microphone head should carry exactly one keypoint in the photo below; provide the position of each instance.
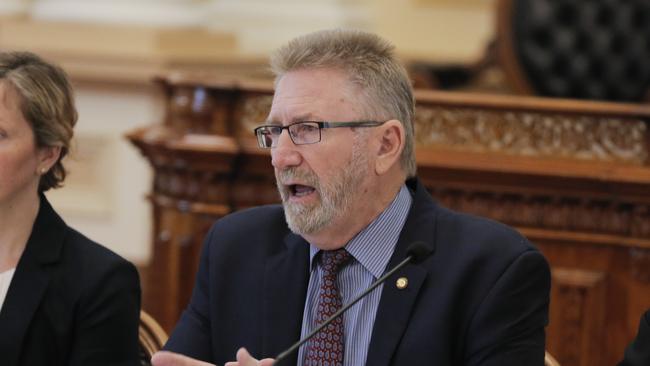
(418, 251)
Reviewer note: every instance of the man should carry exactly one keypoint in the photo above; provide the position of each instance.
(638, 352)
(340, 132)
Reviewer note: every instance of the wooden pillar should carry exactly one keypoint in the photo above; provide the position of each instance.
(192, 153)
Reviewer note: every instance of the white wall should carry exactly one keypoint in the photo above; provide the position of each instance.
(104, 195)
(443, 30)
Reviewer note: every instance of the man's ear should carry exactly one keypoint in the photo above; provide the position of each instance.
(391, 137)
(47, 157)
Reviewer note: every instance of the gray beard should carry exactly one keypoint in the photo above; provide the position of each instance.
(336, 197)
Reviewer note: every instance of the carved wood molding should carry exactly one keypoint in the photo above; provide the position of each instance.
(553, 212)
(188, 167)
(254, 110)
(533, 133)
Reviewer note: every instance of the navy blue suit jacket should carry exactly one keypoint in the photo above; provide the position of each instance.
(481, 298)
(638, 352)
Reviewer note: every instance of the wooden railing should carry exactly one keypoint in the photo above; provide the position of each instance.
(574, 177)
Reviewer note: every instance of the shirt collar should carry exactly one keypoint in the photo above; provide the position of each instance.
(373, 246)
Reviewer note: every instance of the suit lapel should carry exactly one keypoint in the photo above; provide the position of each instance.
(285, 288)
(395, 305)
(30, 281)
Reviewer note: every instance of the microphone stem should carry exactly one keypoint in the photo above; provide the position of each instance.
(379, 281)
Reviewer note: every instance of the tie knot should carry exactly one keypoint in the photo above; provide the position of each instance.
(333, 260)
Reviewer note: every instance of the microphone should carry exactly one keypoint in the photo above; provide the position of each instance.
(415, 253)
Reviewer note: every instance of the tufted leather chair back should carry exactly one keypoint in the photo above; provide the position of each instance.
(587, 49)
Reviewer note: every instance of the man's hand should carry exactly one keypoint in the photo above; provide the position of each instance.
(245, 359)
(165, 358)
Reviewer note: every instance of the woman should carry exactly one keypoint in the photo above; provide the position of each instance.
(64, 300)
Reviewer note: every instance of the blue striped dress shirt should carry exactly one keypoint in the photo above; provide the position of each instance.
(371, 250)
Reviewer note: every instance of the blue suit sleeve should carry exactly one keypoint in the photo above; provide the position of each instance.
(638, 352)
(508, 328)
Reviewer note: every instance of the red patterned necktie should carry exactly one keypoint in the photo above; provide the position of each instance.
(327, 347)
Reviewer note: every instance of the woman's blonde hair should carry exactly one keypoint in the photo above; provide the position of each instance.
(46, 102)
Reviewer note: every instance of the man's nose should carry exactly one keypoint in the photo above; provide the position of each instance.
(285, 154)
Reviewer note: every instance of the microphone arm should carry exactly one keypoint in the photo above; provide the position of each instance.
(416, 252)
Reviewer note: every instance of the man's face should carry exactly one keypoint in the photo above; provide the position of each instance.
(318, 182)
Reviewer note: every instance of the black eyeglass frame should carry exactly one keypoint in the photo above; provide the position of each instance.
(321, 125)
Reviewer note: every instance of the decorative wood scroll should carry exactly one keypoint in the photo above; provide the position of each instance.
(574, 177)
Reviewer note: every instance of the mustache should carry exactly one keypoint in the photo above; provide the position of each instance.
(294, 174)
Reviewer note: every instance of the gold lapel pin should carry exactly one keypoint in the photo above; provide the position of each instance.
(402, 283)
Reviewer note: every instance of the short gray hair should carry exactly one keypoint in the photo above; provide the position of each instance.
(370, 63)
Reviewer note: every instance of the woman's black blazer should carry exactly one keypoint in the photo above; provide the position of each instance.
(71, 301)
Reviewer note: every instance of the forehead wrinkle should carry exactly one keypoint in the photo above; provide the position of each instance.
(299, 118)
(306, 100)
(294, 111)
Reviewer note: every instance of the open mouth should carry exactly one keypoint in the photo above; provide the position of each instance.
(299, 190)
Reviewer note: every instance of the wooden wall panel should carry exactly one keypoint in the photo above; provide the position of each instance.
(574, 177)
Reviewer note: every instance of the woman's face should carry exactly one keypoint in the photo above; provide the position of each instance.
(20, 159)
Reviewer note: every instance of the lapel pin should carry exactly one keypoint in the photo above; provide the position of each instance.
(402, 283)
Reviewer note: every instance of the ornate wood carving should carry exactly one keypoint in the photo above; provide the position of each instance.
(572, 176)
(254, 110)
(553, 212)
(533, 133)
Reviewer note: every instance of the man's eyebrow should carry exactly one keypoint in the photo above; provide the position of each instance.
(298, 118)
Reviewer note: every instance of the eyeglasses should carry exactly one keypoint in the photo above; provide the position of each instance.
(303, 132)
